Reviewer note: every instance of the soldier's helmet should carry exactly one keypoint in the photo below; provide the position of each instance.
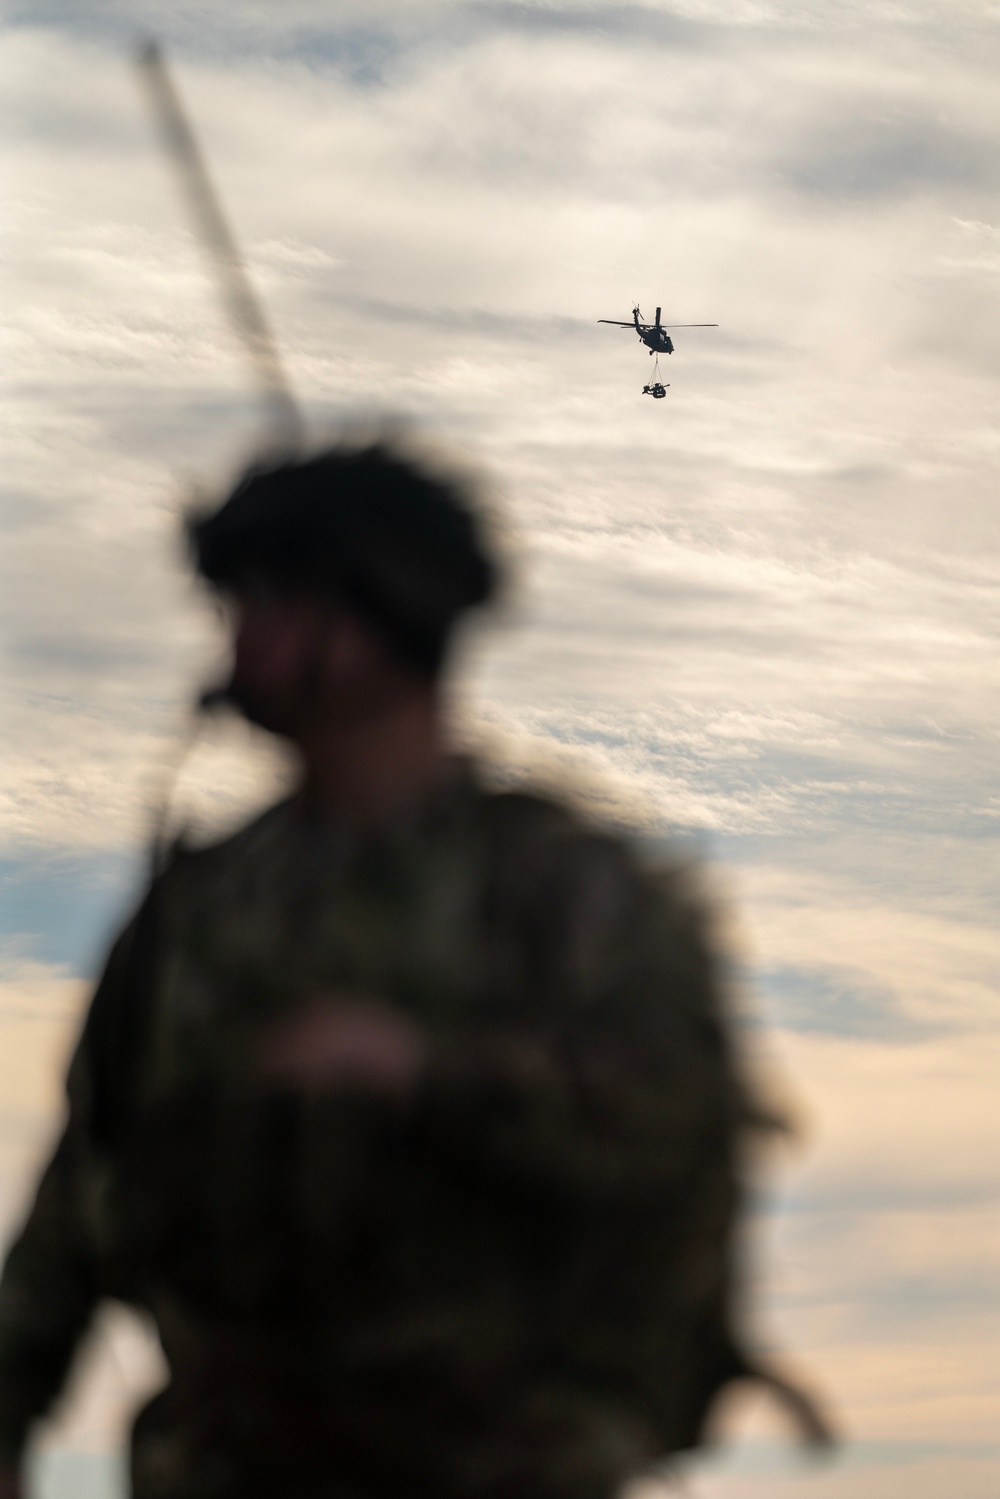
(401, 544)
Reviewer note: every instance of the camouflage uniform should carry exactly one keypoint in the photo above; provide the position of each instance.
(516, 1287)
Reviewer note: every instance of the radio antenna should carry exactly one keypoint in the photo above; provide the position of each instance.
(242, 305)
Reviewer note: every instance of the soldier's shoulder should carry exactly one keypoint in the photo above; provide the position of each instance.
(544, 839)
(523, 808)
(532, 825)
(523, 815)
(194, 859)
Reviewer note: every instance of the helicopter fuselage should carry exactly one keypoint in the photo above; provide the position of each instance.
(655, 336)
(657, 340)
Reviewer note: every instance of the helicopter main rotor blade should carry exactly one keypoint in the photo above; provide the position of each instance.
(246, 315)
(689, 325)
(613, 324)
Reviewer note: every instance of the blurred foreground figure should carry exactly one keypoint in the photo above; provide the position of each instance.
(409, 1112)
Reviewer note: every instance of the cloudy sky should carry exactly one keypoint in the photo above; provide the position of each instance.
(766, 607)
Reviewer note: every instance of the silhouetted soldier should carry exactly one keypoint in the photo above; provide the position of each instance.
(408, 1112)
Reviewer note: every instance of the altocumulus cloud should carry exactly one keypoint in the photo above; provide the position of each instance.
(767, 605)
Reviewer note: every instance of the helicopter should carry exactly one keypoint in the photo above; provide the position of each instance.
(653, 335)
